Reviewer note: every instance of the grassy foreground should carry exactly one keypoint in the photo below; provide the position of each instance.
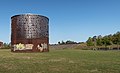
(60, 61)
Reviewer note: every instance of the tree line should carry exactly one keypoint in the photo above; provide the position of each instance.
(6, 46)
(67, 42)
(108, 41)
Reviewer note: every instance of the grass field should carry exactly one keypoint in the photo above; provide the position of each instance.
(60, 61)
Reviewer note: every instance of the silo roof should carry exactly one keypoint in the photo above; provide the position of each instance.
(29, 14)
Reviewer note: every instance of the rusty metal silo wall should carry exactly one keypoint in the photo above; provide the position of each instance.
(29, 33)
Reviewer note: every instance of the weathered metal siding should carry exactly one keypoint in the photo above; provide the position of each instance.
(30, 29)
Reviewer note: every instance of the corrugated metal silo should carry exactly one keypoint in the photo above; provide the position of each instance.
(29, 33)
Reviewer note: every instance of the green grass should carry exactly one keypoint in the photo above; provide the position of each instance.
(60, 61)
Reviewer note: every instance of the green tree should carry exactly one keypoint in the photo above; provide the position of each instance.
(6, 46)
(116, 39)
(90, 42)
(99, 42)
(59, 43)
(62, 42)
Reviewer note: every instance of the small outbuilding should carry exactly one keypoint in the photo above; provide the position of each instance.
(1, 44)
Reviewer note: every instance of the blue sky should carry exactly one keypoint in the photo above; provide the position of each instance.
(69, 19)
